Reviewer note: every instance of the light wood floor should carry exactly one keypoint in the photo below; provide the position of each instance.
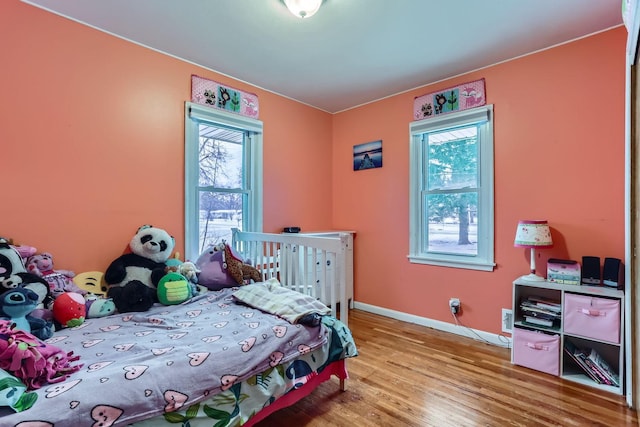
(410, 375)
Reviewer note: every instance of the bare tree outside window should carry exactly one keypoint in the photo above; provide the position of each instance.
(223, 176)
(221, 188)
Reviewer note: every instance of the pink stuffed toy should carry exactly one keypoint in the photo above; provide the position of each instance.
(34, 361)
(25, 251)
(59, 280)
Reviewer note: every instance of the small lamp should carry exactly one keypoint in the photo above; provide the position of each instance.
(303, 8)
(533, 234)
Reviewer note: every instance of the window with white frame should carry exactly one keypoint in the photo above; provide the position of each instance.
(223, 176)
(451, 190)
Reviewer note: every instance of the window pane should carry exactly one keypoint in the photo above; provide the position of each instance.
(219, 213)
(452, 223)
(223, 176)
(453, 159)
(451, 190)
(220, 157)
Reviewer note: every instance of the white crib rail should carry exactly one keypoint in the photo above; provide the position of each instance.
(301, 263)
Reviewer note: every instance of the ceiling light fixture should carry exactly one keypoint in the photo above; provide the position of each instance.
(303, 8)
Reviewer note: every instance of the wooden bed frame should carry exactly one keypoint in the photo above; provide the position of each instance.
(296, 260)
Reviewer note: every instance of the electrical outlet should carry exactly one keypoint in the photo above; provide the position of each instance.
(454, 305)
(507, 320)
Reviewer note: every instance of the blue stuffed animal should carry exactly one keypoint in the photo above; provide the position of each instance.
(16, 306)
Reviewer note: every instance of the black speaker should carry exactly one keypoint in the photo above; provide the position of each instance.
(613, 273)
(591, 270)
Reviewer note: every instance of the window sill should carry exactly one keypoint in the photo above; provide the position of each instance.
(469, 265)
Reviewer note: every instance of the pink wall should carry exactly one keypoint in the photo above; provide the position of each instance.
(92, 130)
(559, 155)
(92, 136)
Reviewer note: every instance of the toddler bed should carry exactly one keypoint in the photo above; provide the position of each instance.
(211, 361)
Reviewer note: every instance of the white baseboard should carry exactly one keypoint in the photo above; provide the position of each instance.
(495, 339)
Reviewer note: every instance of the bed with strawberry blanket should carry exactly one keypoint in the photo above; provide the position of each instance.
(209, 361)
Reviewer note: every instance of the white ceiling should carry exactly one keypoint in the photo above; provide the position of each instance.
(352, 51)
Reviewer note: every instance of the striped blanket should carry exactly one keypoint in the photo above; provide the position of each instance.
(288, 304)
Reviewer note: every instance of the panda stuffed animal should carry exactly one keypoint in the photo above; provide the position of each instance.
(133, 277)
(10, 261)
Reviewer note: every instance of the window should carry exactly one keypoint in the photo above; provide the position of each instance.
(223, 176)
(451, 190)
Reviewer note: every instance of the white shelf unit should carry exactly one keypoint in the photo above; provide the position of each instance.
(611, 347)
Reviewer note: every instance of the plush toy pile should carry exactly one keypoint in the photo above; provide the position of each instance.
(58, 301)
(143, 275)
(37, 299)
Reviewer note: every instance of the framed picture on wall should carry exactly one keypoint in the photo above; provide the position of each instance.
(367, 155)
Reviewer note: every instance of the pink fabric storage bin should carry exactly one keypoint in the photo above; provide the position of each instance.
(592, 317)
(536, 350)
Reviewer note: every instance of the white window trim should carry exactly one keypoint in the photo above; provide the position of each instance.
(485, 259)
(253, 154)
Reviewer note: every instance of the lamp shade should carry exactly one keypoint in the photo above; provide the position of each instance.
(303, 8)
(533, 234)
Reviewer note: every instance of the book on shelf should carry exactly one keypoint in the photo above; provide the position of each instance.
(592, 364)
(538, 321)
(545, 303)
(572, 351)
(603, 379)
(604, 367)
(538, 315)
(533, 306)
